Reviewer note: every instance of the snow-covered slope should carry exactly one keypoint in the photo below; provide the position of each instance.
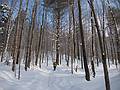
(61, 79)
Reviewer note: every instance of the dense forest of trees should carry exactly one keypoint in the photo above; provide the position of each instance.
(82, 31)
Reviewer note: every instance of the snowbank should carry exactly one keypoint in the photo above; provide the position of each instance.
(61, 79)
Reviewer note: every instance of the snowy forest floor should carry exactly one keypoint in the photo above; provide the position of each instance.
(61, 79)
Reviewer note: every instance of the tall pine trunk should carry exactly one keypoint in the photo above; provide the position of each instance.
(87, 74)
(106, 75)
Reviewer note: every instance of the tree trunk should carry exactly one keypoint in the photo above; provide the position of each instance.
(87, 74)
(106, 75)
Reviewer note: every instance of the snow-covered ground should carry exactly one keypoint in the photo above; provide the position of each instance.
(61, 79)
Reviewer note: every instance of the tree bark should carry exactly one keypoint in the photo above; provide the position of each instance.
(87, 74)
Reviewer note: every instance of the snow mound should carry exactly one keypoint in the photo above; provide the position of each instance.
(61, 79)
